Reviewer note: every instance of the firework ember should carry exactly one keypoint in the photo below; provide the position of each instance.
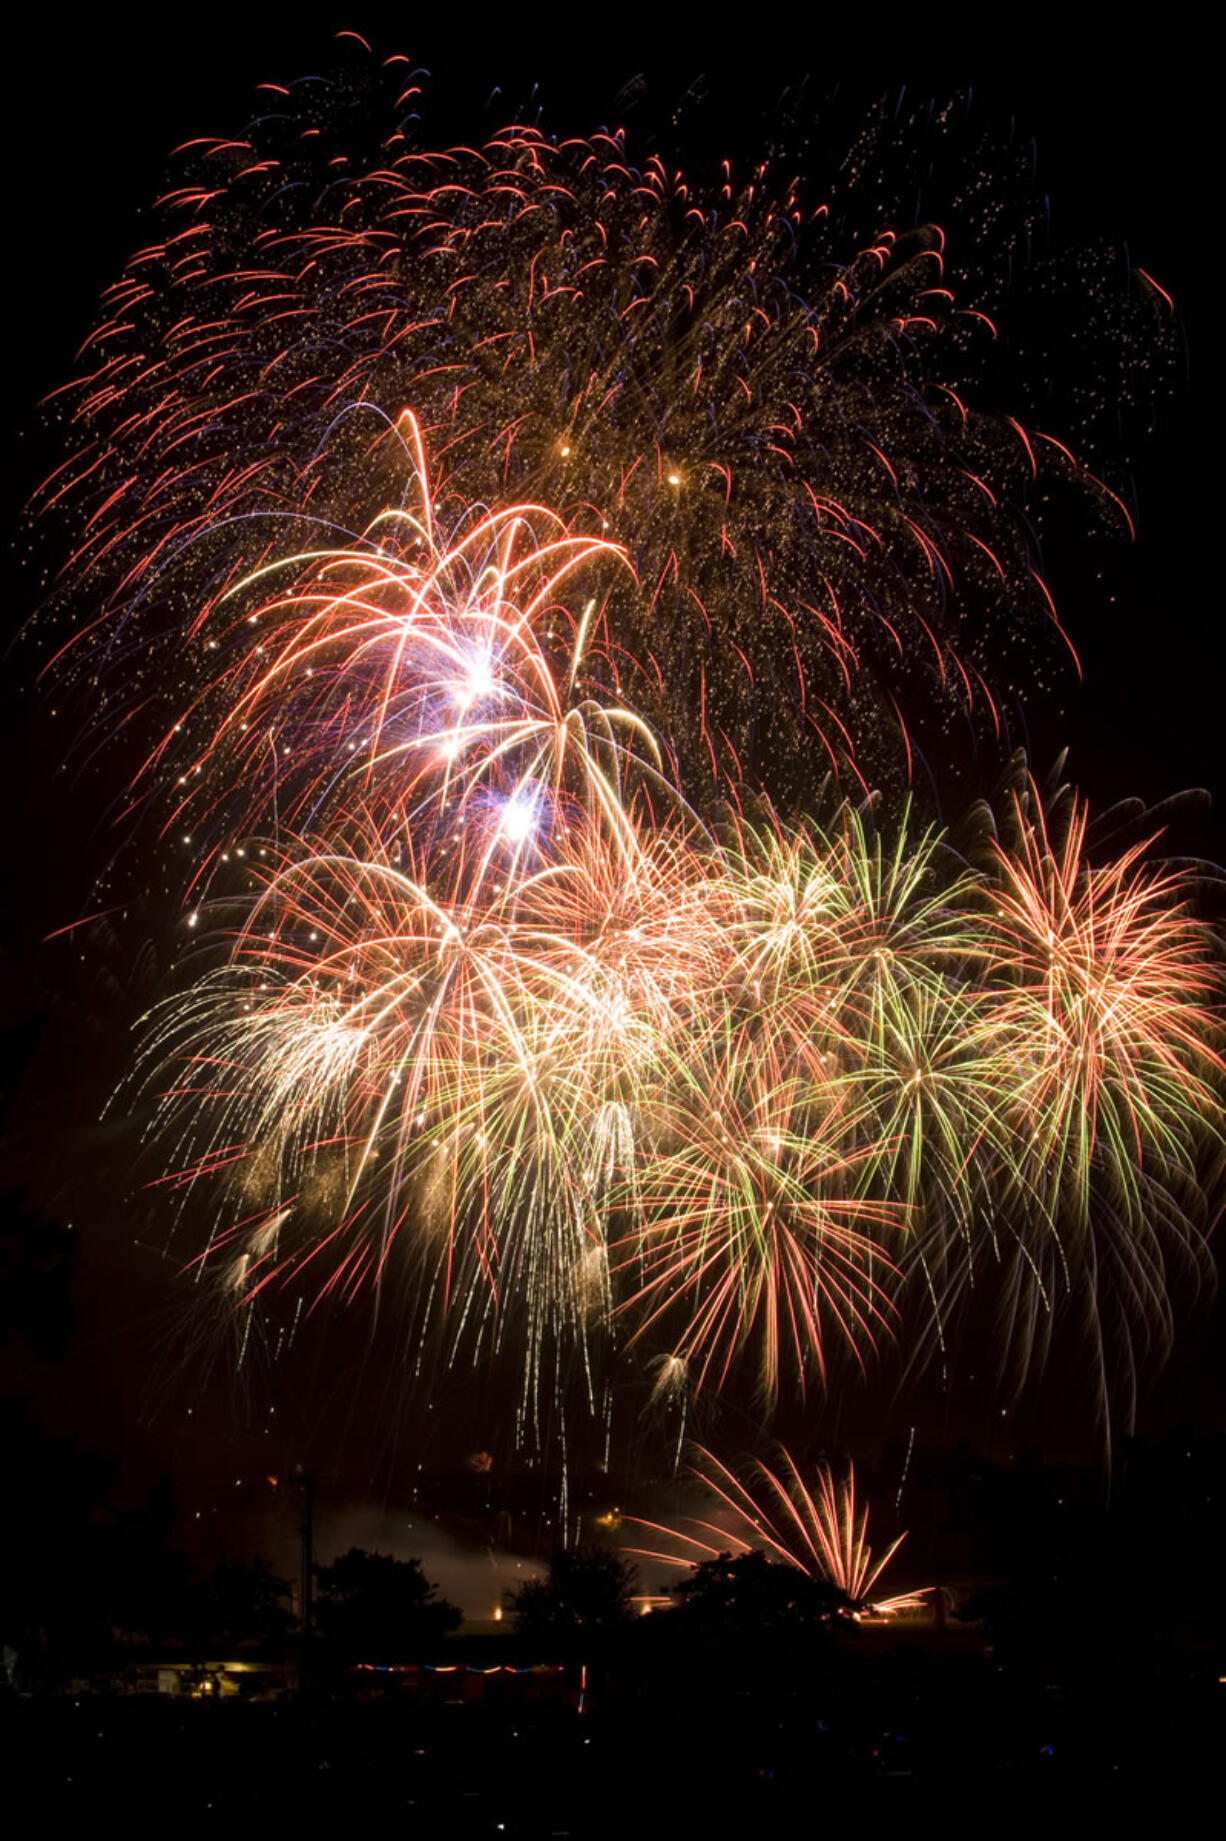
(508, 538)
(818, 1527)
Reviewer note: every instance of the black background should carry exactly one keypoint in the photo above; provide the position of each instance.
(1125, 134)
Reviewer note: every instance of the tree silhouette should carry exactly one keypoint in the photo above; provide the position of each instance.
(148, 1581)
(751, 1597)
(238, 1605)
(373, 1608)
(585, 1594)
(36, 1261)
(55, 1596)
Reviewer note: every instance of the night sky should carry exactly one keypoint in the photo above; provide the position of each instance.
(91, 114)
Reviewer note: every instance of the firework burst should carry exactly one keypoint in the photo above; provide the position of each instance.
(769, 418)
(515, 533)
(816, 1526)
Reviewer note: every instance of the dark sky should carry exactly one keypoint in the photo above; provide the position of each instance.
(92, 109)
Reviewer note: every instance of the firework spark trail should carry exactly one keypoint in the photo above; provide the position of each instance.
(825, 534)
(818, 1527)
(630, 1084)
(492, 993)
(429, 680)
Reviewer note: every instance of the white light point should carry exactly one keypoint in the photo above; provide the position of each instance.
(519, 817)
(477, 683)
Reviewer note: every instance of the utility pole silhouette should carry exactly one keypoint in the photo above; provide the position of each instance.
(306, 1563)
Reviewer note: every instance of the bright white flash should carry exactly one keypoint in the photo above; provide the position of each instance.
(477, 682)
(519, 817)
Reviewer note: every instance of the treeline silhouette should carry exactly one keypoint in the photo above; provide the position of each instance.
(1087, 1648)
(86, 1585)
